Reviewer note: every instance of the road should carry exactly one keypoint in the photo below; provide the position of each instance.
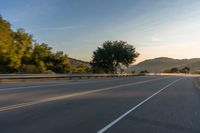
(153, 104)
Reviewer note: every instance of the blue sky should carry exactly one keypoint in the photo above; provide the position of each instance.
(155, 27)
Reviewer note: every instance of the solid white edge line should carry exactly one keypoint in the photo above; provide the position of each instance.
(135, 107)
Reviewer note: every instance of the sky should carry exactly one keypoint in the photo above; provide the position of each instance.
(157, 28)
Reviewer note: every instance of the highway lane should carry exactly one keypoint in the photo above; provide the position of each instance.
(91, 112)
(175, 110)
(30, 92)
(49, 82)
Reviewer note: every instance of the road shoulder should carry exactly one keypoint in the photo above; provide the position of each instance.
(197, 83)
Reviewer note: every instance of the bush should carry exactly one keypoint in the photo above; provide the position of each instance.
(144, 71)
(30, 69)
(81, 69)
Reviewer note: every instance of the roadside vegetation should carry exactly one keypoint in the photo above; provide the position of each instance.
(144, 72)
(19, 53)
(196, 72)
(177, 70)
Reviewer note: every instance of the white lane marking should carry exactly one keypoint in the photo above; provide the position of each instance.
(47, 85)
(38, 86)
(134, 108)
(25, 87)
(5, 108)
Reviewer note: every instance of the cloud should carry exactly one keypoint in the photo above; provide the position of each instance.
(155, 39)
(55, 28)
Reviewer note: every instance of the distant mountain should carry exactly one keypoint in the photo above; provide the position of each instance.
(76, 62)
(163, 63)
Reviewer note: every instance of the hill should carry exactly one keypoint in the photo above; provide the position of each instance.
(76, 62)
(163, 63)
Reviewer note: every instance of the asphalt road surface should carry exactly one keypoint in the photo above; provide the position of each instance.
(146, 104)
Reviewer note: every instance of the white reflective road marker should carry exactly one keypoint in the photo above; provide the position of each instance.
(135, 107)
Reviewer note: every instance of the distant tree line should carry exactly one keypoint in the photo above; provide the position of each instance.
(177, 70)
(19, 53)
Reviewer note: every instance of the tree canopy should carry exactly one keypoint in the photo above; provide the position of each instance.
(112, 56)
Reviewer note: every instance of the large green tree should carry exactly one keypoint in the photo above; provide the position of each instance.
(20, 53)
(6, 40)
(112, 56)
(58, 62)
(22, 45)
(13, 46)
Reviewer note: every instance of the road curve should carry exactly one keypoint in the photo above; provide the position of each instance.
(128, 104)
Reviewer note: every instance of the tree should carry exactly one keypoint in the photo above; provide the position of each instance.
(174, 70)
(112, 56)
(58, 62)
(81, 69)
(20, 53)
(144, 72)
(22, 42)
(6, 35)
(133, 72)
(6, 40)
(13, 46)
(39, 55)
(185, 70)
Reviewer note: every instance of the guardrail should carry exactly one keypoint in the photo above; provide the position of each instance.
(175, 74)
(60, 76)
(71, 76)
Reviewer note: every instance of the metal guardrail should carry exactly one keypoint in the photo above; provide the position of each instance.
(67, 76)
(71, 76)
(175, 74)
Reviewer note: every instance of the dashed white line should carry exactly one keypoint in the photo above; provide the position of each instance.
(25, 87)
